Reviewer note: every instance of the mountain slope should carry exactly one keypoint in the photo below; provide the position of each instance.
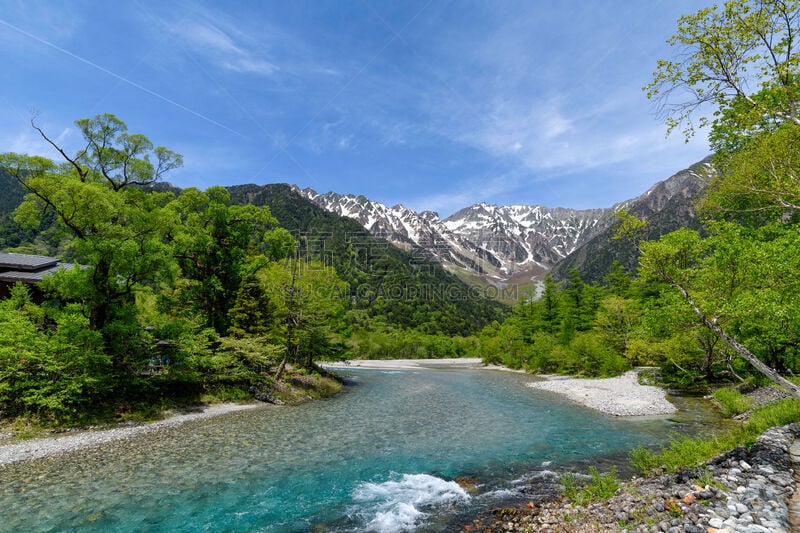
(510, 244)
(406, 288)
(666, 206)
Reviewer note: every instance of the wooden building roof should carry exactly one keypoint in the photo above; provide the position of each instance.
(25, 262)
(13, 276)
(28, 268)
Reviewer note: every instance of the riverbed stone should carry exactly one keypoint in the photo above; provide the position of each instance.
(750, 494)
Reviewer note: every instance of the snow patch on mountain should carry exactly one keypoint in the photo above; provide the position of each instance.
(484, 239)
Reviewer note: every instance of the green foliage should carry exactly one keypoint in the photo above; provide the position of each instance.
(628, 227)
(161, 280)
(116, 229)
(49, 372)
(211, 239)
(387, 343)
(725, 50)
(644, 461)
(759, 182)
(598, 487)
(588, 356)
(579, 329)
(238, 362)
(744, 279)
(731, 401)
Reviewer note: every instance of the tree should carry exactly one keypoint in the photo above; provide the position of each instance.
(211, 241)
(742, 59)
(616, 320)
(551, 297)
(116, 227)
(309, 298)
(761, 181)
(48, 371)
(719, 276)
(114, 156)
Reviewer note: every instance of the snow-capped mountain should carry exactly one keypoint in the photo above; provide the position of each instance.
(499, 242)
(495, 242)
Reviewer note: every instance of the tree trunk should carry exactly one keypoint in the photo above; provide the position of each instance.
(99, 313)
(291, 323)
(748, 356)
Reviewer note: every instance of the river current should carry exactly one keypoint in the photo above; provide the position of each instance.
(382, 456)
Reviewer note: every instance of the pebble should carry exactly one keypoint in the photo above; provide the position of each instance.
(741, 500)
(51, 446)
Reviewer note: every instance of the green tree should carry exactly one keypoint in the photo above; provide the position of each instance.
(740, 64)
(211, 241)
(52, 368)
(310, 299)
(726, 51)
(720, 276)
(116, 227)
(551, 298)
(761, 181)
(616, 321)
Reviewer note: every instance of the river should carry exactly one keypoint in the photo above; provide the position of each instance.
(381, 456)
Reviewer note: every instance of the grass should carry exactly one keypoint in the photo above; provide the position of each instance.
(597, 488)
(684, 451)
(732, 402)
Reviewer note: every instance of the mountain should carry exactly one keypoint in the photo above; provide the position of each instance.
(400, 286)
(495, 243)
(11, 192)
(500, 245)
(667, 206)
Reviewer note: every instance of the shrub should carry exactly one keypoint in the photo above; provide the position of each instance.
(598, 487)
(589, 356)
(731, 401)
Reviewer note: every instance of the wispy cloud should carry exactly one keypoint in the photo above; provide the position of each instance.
(59, 21)
(226, 49)
(467, 192)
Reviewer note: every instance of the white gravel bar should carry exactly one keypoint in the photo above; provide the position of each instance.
(49, 446)
(620, 396)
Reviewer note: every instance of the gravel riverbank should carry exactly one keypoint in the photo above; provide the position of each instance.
(620, 396)
(50, 446)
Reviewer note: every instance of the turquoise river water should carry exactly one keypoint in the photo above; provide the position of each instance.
(381, 456)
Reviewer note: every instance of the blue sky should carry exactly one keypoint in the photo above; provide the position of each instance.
(435, 104)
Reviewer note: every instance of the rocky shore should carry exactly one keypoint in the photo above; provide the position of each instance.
(745, 490)
(50, 446)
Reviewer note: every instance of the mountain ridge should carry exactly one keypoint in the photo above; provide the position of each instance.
(501, 243)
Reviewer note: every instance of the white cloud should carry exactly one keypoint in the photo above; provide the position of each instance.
(228, 50)
(55, 21)
(249, 65)
(468, 192)
(548, 138)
